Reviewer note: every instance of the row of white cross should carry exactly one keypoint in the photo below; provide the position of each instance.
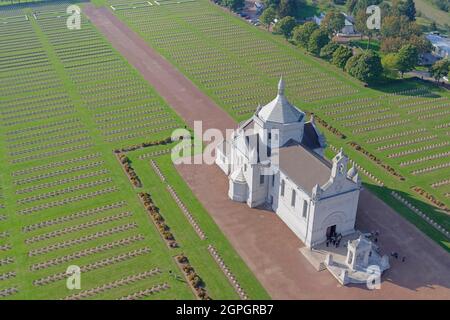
(134, 7)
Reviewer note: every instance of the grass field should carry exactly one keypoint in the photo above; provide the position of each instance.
(67, 100)
(405, 124)
(432, 13)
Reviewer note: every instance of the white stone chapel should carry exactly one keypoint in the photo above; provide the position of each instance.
(316, 198)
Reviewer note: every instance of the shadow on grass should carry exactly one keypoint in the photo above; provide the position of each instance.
(421, 263)
(403, 87)
(437, 214)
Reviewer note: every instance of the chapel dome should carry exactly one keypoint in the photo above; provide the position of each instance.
(280, 110)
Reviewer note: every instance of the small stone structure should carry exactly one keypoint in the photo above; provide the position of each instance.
(362, 262)
(358, 260)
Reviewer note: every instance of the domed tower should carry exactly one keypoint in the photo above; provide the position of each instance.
(281, 120)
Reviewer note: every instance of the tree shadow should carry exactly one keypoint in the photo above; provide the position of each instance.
(406, 87)
(437, 214)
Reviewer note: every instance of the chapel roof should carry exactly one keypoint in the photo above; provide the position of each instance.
(303, 166)
(280, 110)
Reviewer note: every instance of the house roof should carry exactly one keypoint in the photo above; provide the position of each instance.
(304, 167)
(280, 110)
(438, 41)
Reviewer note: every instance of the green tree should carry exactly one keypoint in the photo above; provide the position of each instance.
(287, 8)
(351, 63)
(365, 66)
(361, 25)
(268, 16)
(333, 22)
(290, 7)
(354, 6)
(272, 3)
(302, 33)
(398, 31)
(389, 63)
(422, 44)
(399, 26)
(351, 5)
(341, 56)
(319, 38)
(327, 51)
(408, 8)
(407, 58)
(285, 26)
(440, 69)
(233, 4)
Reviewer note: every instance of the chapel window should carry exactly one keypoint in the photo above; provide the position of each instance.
(293, 198)
(305, 208)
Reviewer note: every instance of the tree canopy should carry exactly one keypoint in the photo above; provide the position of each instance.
(397, 30)
(407, 58)
(319, 38)
(440, 69)
(285, 8)
(341, 56)
(285, 26)
(408, 8)
(302, 33)
(354, 6)
(233, 4)
(333, 22)
(327, 51)
(365, 66)
(389, 63)
(268, 16)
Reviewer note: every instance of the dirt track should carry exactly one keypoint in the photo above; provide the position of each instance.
(264, 242)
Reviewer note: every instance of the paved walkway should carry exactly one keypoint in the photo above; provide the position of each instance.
(265, 243)
(270, 249)
(179, 92)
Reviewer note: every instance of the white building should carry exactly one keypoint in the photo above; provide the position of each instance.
(348, 29)
(441, 45)
(314, 197)
(349, 25)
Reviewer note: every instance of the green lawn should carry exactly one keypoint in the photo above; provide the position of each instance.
(239, 65)
(366, 44)
(67, 100)
(432, 13)
(192, 245)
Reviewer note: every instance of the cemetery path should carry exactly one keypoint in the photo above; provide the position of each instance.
(178, 91)
(271, 250)
(265, 243)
